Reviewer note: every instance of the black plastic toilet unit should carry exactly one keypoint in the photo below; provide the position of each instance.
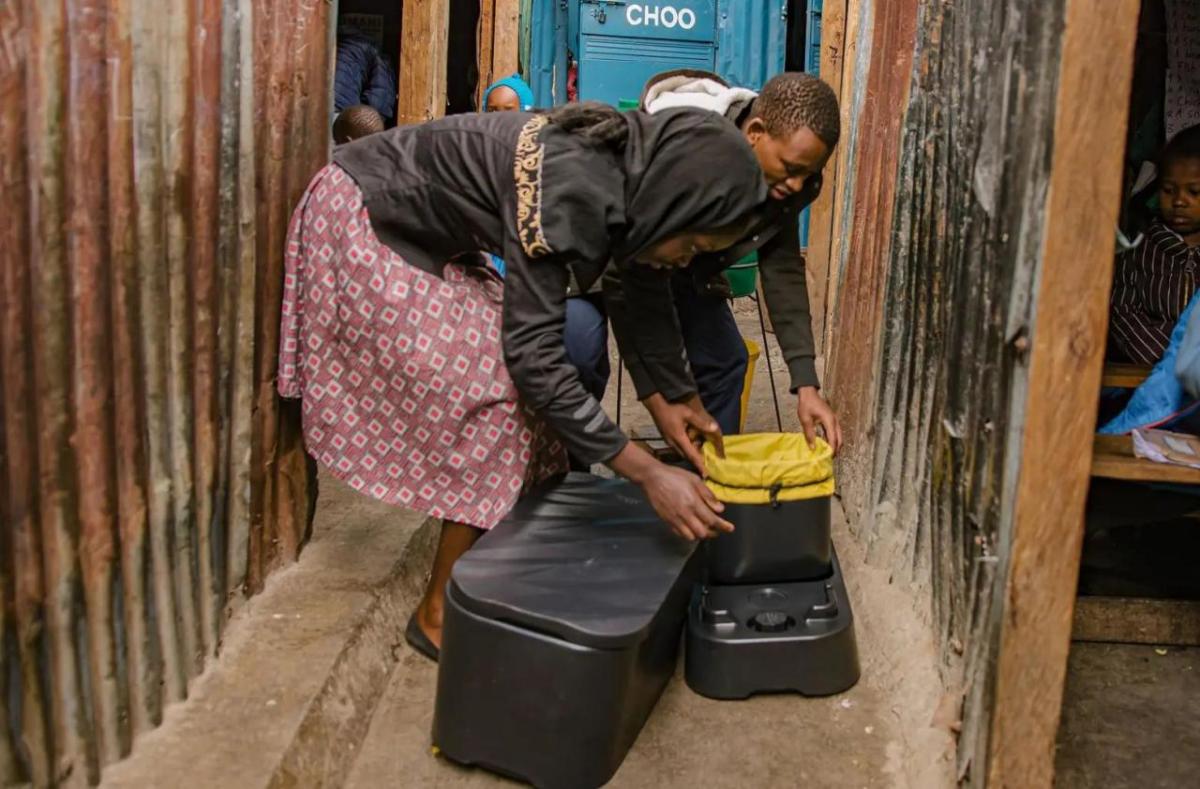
(772, 613)
(562, 627)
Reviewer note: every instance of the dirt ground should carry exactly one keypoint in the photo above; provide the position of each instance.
(876, 735)
(1129, 718)
(1129, 714)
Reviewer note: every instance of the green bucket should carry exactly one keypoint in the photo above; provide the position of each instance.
(743, 276)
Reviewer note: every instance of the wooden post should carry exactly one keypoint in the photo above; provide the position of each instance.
(506, 44)
(499, 42)
(423, 46)
(833, 242)
(1064, 378)
(484, 36)
(820, 226)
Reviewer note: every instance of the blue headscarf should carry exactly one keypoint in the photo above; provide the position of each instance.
(518, 86)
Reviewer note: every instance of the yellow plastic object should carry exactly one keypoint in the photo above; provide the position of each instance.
(752, 351)
(762, 468)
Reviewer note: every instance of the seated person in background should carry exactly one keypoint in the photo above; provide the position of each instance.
(362, 75)
(511, 94)
(1155, 280)
(354, 122)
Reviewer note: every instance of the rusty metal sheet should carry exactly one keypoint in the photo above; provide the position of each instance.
(150, 476)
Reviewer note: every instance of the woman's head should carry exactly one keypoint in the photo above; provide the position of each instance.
(677, 251)
(633, 186)
(692, 185)
(511, 94)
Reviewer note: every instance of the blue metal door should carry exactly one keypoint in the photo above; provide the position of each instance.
(623, 44)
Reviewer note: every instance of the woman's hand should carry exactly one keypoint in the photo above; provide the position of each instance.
(683, 425)
(679, 497)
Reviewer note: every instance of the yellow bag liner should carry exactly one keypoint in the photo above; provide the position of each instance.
(761, 468)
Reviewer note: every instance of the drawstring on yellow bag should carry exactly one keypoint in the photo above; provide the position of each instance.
(768, 468)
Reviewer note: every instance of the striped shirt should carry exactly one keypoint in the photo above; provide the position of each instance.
(1154, 281)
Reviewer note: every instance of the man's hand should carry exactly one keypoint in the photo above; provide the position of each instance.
(685, 503)
(683, 425)
(813, 411)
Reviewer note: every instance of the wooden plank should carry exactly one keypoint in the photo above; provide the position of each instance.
(852, 374)
(205, 43)
(149, 44)
(820, 224)
(1068, 335)
(129, 428)
(484, 36)
(50, 340)
(91, 375)
(242, 331)
(423, 47)
(506, 39)
(1131, 620)
(1113, 458)
(178, 133)
(21, 477)
(1125, 376)
(843, 180)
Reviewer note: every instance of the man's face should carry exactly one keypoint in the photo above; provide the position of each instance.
(503, 99)
(787, 161)
(1179, 196)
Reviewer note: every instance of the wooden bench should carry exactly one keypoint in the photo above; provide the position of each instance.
(1125, 620)
(1113, 458)
(1124, 376)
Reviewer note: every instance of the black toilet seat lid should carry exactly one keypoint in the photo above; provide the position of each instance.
(586, 560)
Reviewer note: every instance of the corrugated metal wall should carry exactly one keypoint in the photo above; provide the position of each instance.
(150, 154)
(942, 244)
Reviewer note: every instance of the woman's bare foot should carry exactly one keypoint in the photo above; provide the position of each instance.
(455, 540)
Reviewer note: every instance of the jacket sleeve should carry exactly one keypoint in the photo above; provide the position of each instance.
(642, 311)
(786, 290)
(535, 295)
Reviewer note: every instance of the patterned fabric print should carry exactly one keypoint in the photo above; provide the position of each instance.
(405, 393)
(527, 173)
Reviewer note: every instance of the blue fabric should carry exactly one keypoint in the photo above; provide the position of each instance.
(1187, 362)
(497, 263)
(1161, 400)
(518, 86)
(715, 349)
(363, 76)
(586, 339)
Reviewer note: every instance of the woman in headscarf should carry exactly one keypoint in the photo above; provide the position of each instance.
(511, 94)
(425, 382)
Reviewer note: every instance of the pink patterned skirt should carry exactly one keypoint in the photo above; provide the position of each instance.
(405, 393)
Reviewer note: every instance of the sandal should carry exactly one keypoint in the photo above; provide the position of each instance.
(417, 639)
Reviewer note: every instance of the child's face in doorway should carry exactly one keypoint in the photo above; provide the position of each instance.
(1179, 197)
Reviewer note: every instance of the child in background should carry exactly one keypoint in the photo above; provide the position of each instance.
(355, 122)
(1155, 280)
